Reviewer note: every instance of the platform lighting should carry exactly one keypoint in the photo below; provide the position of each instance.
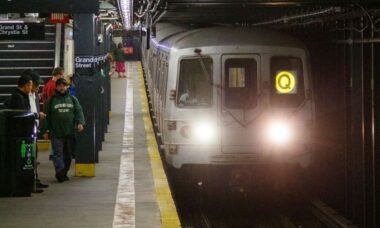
(125, 7)
(279, 132)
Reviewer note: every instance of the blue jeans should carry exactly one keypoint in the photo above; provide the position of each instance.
(63, 150)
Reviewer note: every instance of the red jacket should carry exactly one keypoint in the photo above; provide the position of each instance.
(48, 90)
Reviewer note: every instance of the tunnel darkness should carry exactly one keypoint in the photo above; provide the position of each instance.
(344, 63)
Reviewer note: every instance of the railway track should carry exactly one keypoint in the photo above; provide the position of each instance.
(199, 210)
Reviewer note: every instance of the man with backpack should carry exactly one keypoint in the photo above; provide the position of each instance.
(64, 116)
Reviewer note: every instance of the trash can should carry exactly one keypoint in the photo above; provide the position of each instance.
(18, 134)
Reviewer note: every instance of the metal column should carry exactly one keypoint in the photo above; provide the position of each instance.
(85, 45)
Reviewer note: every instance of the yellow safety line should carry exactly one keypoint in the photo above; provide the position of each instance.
(169, 215)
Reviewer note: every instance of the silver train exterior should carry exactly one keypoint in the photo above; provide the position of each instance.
(230, 96)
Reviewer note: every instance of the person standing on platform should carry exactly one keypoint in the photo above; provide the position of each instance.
(49, 88)
(119, 59)
(35, 108)
(71, 89)
(20, 96)
(64, 116)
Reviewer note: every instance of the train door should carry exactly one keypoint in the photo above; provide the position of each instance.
(240, 86)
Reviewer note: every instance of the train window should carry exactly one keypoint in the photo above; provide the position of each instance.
(240, 83)
(236, 77)
(287, 81)
(195, 82)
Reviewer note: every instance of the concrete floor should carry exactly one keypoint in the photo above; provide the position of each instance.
(90, 202)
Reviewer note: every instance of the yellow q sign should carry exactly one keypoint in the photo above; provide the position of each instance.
(286, 82)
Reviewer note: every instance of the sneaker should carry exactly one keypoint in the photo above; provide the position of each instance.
(66, 178)
(59, 177)
(38, 190)
(41, 185)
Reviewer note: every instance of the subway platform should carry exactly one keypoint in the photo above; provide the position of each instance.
(130, 188)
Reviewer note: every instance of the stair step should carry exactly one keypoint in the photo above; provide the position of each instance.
(22, 54)
(50, 28)
(21, 51)
(50, 37)
(16, 71)
(6, 91)
(7, 86)
(5, 96)
(24, 41)
(28, 59)
(24, 64)
(27, 45)
(12, 80)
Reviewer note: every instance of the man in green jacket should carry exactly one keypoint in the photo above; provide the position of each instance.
(63, 116)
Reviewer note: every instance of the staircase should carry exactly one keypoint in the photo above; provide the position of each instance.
(19, 55)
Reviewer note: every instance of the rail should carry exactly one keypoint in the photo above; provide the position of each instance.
(329, 216)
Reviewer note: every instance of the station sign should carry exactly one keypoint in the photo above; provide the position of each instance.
(49, 6)
(86, 62)
(22, 31)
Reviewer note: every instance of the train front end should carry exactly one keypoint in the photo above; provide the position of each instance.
(240, 108)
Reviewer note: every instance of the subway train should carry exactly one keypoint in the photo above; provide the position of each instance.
(226, 96)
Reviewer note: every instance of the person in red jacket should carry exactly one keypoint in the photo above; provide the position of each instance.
(119, 59)
(49, 88)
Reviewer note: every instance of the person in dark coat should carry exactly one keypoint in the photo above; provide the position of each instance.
(34, 99)
(35, 108)
(20, 96)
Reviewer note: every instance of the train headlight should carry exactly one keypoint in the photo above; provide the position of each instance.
(186, 132)
(280, 132)
(204, 132)
(201, 132)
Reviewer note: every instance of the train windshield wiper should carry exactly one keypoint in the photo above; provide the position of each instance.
(206, 73)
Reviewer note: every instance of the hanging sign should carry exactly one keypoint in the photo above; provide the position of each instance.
(22, 31)
(49, 6)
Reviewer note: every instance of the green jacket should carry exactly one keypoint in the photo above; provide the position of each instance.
(63, 113)
(119, 55)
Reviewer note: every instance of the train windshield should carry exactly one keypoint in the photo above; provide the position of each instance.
(195, 82)
(287, 82)
(240, 83)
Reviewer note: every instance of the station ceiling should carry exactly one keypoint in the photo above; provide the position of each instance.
(249, 12)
